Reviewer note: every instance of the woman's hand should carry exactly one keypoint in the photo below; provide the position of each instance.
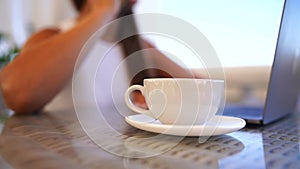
(139, 100)
(114, 5)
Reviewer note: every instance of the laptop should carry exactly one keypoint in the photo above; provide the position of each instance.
(283, 88)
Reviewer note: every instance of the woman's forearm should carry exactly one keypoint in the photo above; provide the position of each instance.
(43, 67)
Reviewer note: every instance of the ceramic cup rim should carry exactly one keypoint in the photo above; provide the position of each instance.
(184, 79)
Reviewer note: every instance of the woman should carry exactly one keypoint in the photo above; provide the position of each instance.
(46, 62)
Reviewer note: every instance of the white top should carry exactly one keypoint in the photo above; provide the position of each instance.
(94, 72)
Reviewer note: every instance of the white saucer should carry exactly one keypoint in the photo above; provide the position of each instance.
(218, 125)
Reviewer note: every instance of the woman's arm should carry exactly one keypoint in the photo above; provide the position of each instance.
(46, 63)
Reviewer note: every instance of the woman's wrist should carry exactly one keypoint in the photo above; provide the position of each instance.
(110, 7)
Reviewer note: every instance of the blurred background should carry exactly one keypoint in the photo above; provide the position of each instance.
(243, 33)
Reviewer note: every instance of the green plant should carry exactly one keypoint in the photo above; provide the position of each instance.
(8, 50)
(9, 55)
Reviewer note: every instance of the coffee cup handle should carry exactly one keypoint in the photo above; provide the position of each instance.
(129, 102)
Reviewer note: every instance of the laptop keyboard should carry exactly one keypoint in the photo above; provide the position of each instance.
(251, 113)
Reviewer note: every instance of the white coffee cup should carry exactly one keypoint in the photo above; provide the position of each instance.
(179, 101)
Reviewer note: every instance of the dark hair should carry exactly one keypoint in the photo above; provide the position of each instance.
(79, 4)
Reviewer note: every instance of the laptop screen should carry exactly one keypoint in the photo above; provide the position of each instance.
(284, 82)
